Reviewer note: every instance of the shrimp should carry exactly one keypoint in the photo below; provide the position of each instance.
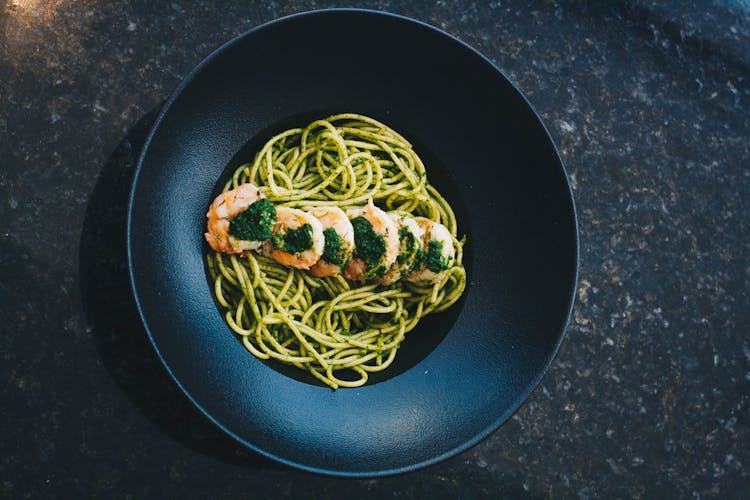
(376, 241)
(411, 238)
(222, 210)
(339, 243)
(297, 240)
(439, 253)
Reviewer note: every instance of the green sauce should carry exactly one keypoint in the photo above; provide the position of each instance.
(370, 247)
(294, 240)
(255, 223)
(334, 251)
(408, 249)
(418, 259)
(433, 259)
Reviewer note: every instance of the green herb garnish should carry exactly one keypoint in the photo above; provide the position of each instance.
(254, 223)
(407, 253)
(369, 246)
(418, 259)
(434, 259)
(294, 240)
(334, 251)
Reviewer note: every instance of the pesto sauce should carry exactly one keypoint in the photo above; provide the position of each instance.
(254, 223)
(407, 247)
(334, 251)
(418, 259)
(403, 250)
(434, 260)
(370, 247)
(294, 240)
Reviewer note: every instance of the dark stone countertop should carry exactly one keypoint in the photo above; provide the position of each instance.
(649, 104)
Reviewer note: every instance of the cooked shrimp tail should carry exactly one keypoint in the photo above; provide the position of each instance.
(339, 241)
(439, 253)
(376, 243)
(239, 220)
(297, 239)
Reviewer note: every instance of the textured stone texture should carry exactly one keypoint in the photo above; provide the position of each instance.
(649, 104)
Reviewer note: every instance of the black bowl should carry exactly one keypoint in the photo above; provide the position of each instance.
(461, 373)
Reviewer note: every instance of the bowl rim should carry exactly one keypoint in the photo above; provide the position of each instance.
(502, 417)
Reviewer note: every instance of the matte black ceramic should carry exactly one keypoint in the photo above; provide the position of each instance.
(460, 374)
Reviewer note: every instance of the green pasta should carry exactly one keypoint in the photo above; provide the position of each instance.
(330, 326)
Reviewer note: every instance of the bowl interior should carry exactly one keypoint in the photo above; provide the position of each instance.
(469, 368)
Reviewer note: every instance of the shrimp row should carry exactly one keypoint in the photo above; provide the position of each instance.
(363, 244)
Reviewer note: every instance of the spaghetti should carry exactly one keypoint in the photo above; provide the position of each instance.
(330, 326)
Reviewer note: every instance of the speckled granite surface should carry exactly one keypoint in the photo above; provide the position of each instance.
(650, 106)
